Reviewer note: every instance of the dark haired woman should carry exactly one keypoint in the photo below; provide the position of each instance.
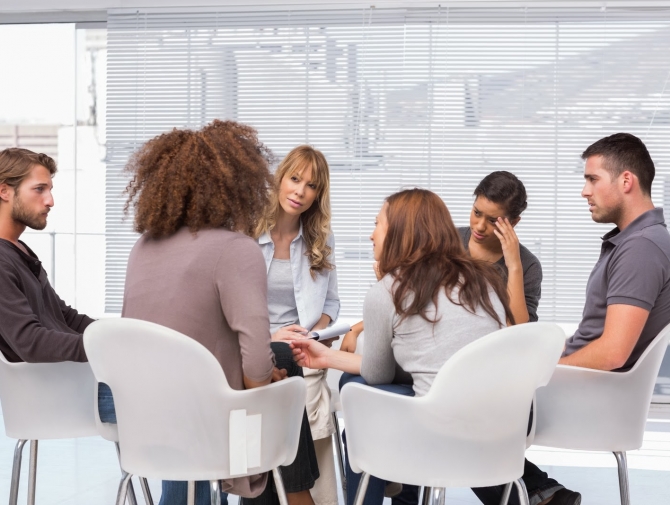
(500, 198)
(198, 197)
(432, 300)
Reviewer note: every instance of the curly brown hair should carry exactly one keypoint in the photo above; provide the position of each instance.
(214, 177)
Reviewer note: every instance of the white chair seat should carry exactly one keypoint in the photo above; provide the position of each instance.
(593, 410)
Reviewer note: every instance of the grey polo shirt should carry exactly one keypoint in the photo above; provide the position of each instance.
(633, 269)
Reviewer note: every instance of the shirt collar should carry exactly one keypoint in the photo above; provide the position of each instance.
(31, 260)
(649, 218)
(265, 238)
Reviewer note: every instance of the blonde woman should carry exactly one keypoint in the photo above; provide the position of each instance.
(297, 244)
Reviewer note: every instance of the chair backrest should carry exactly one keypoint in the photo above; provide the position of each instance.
(173, 403)
(470, 429)
(595, 410)
(42, 401)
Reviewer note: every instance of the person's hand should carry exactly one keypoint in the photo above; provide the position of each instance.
(278, 375)
(288, 333)
(375, 267)
(509, 242)
(310, 353)
(349, 342)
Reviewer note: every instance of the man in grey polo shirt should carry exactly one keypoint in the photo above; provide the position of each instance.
(628, 292)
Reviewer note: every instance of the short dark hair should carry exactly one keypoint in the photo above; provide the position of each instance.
(621, 152)
(504, 188)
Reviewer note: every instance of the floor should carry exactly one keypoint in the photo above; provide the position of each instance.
(85, 471)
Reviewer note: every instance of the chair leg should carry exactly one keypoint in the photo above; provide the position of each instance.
(132, 499)
(215, 492)
(146, 491)
(506, 494)
(123, 489)
(438, 496)
(362, 488)
(32, 472)
(340, 453)
(426, 496)
(523, 492)
(190, 493)
(16, 472)
(279, 485)
(623, 477)
(433, 496)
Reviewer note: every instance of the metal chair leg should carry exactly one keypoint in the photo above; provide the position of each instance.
(123, 489)
(279, 485)
(32, 472)
(362, 488)
(623, 477)
(16, 472)
(523, 492)
(340, 453)
(433, 496)
(190, 493)
(132, 499)
(215, 492)
(146, 491)
(506, 494)
(427, 498)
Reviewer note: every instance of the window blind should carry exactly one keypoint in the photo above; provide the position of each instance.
(395, 98)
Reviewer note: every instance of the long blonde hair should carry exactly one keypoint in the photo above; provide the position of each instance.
(316, 219)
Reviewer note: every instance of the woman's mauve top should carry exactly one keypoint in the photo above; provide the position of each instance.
(211, 286)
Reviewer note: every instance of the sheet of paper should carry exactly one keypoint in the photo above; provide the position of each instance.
(335, 330)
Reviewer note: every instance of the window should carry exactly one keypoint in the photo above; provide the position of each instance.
(52, 100)
(425, 97)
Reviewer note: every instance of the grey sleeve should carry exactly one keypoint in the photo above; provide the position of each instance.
(532, 287)
(633, 281)
(242, 284)
(378, 366)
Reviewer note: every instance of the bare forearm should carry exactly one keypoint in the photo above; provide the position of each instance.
(345, 361)
(251, 384)
(517, 297)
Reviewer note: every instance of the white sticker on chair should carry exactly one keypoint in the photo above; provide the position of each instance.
(244, 441)
(254, 441)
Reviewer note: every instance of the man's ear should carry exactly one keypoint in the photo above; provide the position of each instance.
(6, 192)
(514, 222)
(628, 181)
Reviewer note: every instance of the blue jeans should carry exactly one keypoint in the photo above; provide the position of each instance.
(375, 492)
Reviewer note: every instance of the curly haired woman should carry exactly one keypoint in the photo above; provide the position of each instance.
(297, 244)
(197, 197)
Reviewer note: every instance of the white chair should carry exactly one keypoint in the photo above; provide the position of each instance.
(469, 430)
(593, 410)
(46, 401)
(109, 431)
(174, 405)
(335, 407)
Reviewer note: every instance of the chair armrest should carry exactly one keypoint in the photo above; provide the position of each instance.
(590, 409)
